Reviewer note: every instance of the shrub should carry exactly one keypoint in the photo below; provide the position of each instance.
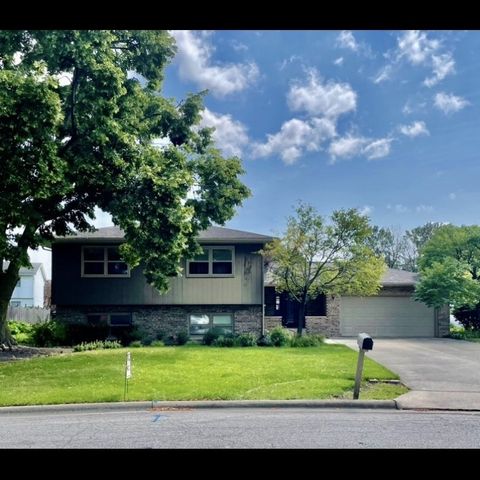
(49, 334)
(135, 344)
(280, 336)
(22, 332)
(211, 335)
(307, 341)
(179, 338)
(246, 340)
(468, 317)
(265, 341)
(225, 341)
(182, 337)
(97, 345)
(157, 343)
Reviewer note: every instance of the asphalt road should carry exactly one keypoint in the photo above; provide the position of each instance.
(242, 428)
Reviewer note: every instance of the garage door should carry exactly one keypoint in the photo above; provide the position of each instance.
(386, 317)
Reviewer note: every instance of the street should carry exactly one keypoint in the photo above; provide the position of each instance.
(241, 428)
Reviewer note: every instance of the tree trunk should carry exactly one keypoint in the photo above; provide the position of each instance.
(8, 280)
(301, 317)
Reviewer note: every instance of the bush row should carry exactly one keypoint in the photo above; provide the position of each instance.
(278, 337)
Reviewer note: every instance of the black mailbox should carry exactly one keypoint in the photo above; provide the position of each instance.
(365, 341)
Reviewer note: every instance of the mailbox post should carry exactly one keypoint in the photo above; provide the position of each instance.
(365, 343)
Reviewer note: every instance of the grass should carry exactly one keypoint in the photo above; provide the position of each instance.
(190, 373)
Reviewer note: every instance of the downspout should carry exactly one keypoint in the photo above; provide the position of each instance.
(263, 297)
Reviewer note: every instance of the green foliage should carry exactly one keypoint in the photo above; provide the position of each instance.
(246, 339)
(389, 244)
(179, 338)
(211, 335)
(228, 340)
(280, 336)
(157, 343)
(462, 333)
(48, 334)
(314, 257)
(468, 317)
(21, 332)
(78, 130)
(136, 344)
(97, 345)
(265, 341)
(450, 268)
(310, 340)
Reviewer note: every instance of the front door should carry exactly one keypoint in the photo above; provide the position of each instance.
(290, 312)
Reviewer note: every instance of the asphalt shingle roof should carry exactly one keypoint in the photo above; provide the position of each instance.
(212, 234)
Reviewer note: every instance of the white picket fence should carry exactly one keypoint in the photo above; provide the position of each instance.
(28, 314)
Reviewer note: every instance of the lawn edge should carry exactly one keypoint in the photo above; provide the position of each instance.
(159, 405)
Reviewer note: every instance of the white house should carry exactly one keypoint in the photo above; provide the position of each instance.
(29, 291)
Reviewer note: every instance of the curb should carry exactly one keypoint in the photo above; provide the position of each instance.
(159, 405)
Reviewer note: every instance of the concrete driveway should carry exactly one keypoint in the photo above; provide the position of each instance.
(441, 372)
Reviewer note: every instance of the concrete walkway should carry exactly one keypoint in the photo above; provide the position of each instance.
(442, 373)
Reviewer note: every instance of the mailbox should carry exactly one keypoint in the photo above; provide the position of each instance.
(365, 341)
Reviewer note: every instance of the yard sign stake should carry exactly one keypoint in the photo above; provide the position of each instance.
(128, 374)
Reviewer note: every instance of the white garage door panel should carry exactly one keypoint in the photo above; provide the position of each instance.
(386, 317)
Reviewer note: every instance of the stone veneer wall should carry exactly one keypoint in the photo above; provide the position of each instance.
(443, 321)
(272, 322)
(168, 319)
(328, 325)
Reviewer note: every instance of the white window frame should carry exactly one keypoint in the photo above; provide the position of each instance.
(210, 273)
(210, 316)
(105, 263)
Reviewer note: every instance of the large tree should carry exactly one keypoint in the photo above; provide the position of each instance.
(450, 268)
(315, 257)
(416, 239)
(389, 243)
(79, 111)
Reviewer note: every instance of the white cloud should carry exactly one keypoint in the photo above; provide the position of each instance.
(378, 148)
(415, 129)
(239, 46)
(449, 103)
(327, 99)
(366, 210)
(346, 147)
(230, 135)
(416, 46)
(383, 74)
(424, 209)
(295, 137)
(443, 65)
(419, 50)
(195, 64)
(398, 208)
(346, 39)
(452, 196)
(288, 61)
(338, 61)
(351, 146)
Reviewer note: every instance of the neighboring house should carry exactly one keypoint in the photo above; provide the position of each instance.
(29, 291)
(391, 313)
(222, 287)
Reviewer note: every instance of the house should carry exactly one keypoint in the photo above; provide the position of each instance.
(221, 287)
(30, 288)
(391, 313)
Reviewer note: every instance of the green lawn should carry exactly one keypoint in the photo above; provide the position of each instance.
(191, 373)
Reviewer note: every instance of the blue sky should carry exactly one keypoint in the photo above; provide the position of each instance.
(385, 121)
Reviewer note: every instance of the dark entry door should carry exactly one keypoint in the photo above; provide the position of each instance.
(290, 313)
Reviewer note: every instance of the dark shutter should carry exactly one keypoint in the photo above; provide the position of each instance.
(316, 307)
